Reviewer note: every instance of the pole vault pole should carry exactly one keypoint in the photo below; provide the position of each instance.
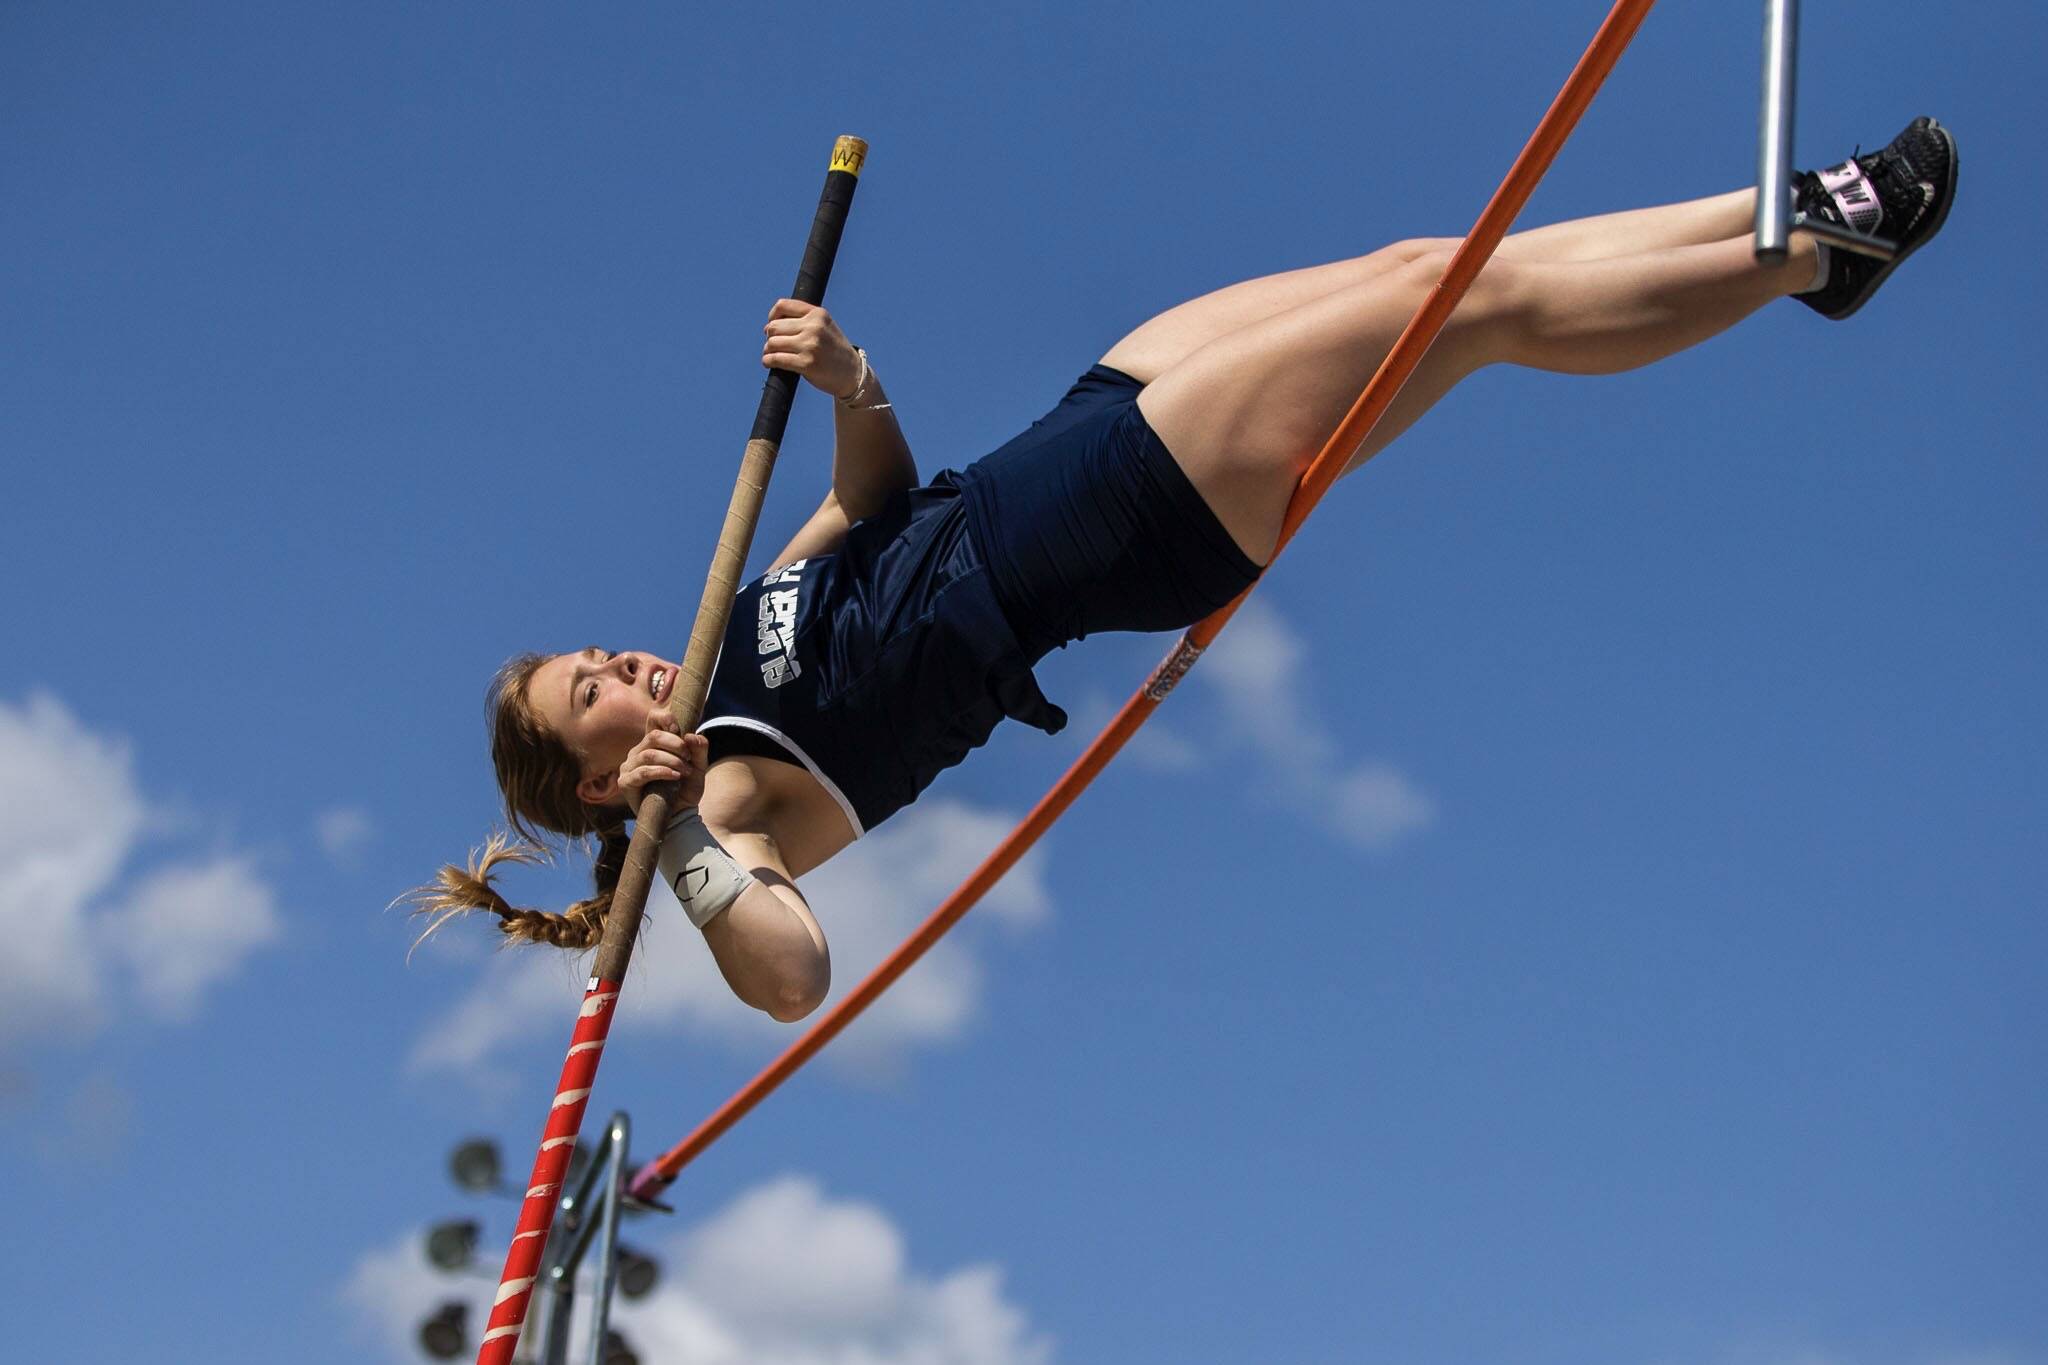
(686, 703)
(1600, 56)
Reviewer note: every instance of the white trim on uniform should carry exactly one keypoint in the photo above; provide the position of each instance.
(763, 728)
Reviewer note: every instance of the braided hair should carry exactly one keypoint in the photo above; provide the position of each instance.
(537, 777)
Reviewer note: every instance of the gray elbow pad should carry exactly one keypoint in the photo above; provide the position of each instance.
(701, 873)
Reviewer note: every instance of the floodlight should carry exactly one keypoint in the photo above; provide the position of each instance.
(637, 1273)
(452, 1246)
(475, 1166)
(445, 1336)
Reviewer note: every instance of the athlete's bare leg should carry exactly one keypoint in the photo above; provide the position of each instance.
(1177, 333)
(1245, 412)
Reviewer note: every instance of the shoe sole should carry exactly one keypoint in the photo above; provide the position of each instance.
(1948, 199)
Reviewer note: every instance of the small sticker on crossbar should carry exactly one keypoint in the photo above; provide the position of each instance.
(1172, 669)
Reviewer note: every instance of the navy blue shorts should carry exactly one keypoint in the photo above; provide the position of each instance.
(1088, 523)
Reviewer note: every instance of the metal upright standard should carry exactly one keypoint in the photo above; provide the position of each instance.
(1776, 218)
(1774, 130)
(580, 1225)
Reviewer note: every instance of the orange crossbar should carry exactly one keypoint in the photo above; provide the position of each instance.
(1607, 46)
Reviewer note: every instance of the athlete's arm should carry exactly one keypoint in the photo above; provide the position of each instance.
(766, 942)
(870, 459)
(821, 535)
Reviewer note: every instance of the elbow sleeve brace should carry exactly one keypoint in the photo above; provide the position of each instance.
(701, 873)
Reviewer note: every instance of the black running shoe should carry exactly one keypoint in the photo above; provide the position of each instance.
(1901, 193)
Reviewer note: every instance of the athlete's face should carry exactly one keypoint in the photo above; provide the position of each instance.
(598, 702)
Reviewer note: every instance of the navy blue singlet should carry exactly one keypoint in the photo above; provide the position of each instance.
(877, 667)
(882, 665)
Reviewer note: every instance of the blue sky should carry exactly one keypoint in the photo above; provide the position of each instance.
(1590, 909)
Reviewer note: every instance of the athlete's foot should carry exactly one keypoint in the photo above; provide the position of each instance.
(1901, 192)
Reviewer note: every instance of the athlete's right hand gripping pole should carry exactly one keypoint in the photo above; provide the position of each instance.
(686, 703)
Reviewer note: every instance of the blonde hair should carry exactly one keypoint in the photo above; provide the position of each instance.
(537, 777)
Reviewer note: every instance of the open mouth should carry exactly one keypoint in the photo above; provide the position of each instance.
(657, 684)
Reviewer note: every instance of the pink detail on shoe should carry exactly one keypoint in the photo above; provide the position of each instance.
(1854, 195)
(1834, 177)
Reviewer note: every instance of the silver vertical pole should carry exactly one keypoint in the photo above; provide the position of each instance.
(1774, 133)
(580, 1222)
(608, 1233)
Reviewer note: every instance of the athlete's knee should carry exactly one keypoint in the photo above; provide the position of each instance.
(1411, 282)
(1500, 284)
(1377, 265)
(1496, 313)
(1419, 248)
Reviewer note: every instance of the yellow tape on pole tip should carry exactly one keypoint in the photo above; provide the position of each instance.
(849, 154)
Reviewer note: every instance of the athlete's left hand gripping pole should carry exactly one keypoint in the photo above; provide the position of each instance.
(686, 702)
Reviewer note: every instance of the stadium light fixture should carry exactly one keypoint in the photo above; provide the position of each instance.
(475, 1166)
(452, 1246)
(445, 1335)
(638, 1273)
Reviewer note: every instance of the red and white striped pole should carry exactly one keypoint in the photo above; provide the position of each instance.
(686, 702)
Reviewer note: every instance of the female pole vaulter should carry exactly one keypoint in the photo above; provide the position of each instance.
(900, 626)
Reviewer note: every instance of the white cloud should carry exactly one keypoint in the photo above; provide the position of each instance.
(872, 896)
(868, 899)
(78, 937)
(393, 1289)
(1156, 747)
(342, 832)
(1257, 667)
(783, 1275)
(525, 992)
(1262, 672)
(69, 813)
(186, 929)
(1374, 806)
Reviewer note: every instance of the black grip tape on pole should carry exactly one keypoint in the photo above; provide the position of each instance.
(771, 419)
